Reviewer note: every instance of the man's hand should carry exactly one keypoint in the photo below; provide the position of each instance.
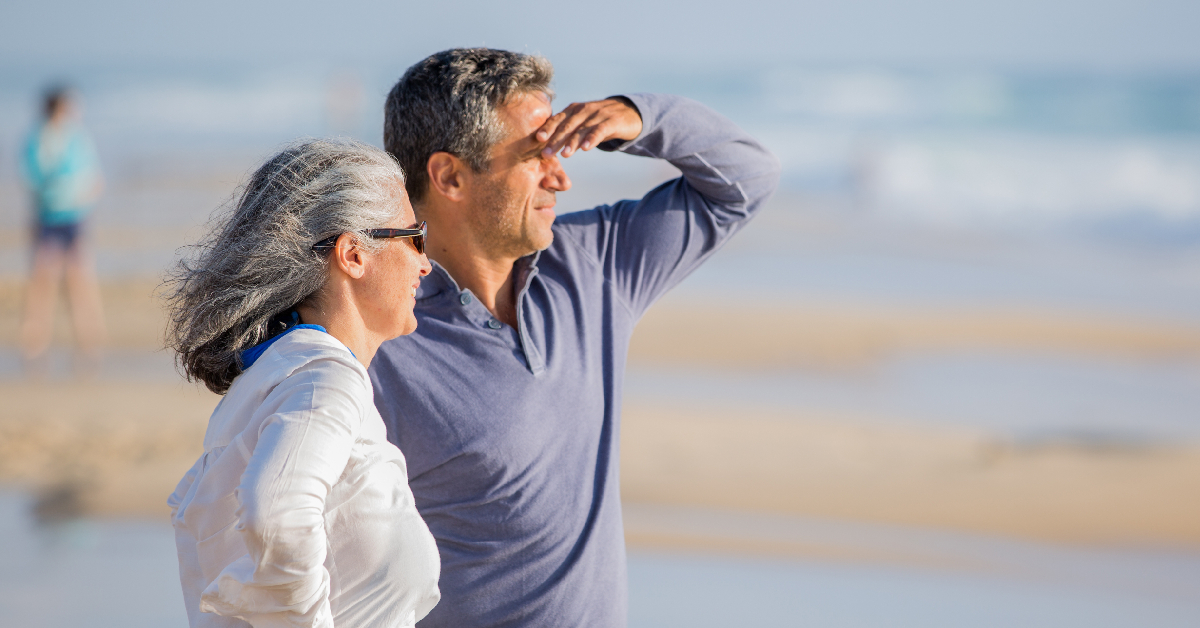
(586, 125)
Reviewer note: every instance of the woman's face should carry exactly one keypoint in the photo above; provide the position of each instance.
(391, 279)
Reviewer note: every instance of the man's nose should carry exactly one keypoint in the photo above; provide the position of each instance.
(555, 179)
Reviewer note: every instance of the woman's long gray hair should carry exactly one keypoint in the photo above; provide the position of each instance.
(257, 260)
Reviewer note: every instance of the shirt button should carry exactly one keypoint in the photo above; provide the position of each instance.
(493, 323)
(464, 298)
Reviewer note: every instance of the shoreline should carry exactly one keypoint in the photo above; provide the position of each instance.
(782, 334)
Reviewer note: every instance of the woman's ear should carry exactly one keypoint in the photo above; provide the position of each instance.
(445, 175)
(348, 256)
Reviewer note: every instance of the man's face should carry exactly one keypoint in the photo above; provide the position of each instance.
(513, 202)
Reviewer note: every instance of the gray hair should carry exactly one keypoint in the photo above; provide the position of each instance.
(447, 102)
(257, 261)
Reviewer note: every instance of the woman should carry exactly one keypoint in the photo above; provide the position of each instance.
(299, 511)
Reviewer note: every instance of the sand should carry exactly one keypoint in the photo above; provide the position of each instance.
(132, 314)
(111, 448)
(118, 447)
(845, 467)
(841, 336)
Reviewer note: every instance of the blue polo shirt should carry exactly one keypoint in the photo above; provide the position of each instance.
(512, 435)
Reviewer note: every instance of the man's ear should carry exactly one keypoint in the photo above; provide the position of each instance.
(446, 175)
(348, 257)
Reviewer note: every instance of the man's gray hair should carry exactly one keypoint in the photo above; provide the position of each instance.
(257, 261)
(448, 101)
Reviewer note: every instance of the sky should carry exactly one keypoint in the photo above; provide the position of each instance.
(1102, 35)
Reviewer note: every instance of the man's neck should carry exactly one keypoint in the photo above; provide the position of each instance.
(489, 278)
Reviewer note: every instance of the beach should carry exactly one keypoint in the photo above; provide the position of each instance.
(839, 404)
(949, 376)
(116, 444)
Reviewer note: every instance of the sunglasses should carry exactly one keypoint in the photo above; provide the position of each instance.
(418, 236)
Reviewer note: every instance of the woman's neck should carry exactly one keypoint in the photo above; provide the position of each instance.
(340, 317)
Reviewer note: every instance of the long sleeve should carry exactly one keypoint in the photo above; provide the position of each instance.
(649, 245)
(301, 451)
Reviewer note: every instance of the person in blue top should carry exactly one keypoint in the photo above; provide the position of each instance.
(63, 173)
(511, 428)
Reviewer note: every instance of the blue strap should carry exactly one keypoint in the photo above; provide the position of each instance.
(251, 355)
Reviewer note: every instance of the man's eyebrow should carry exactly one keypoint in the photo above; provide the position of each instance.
(533, 152)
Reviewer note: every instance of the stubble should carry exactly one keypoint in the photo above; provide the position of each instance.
(504, 225)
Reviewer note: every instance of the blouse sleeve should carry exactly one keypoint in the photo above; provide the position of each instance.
(302, 450)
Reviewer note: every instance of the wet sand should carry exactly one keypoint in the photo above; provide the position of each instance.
(835, 336)
(106, 448)
(117, 446)
(843, 468)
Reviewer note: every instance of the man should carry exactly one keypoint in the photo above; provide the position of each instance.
(506, 401)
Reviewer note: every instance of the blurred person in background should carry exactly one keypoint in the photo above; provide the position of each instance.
(299, 511)
(60, 165)
(511, 427)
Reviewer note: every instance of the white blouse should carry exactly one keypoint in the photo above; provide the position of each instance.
(299, 511)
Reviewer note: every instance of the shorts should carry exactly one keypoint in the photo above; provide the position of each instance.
(64, 236)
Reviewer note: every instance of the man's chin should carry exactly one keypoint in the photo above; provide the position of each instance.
(544, 243)
(544, 233)
(540, 232)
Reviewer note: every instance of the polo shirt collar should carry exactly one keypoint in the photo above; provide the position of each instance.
(439, 281)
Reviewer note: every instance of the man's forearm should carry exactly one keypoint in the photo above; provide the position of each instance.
(720, 160)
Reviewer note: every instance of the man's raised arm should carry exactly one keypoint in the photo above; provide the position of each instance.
(649, 245)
